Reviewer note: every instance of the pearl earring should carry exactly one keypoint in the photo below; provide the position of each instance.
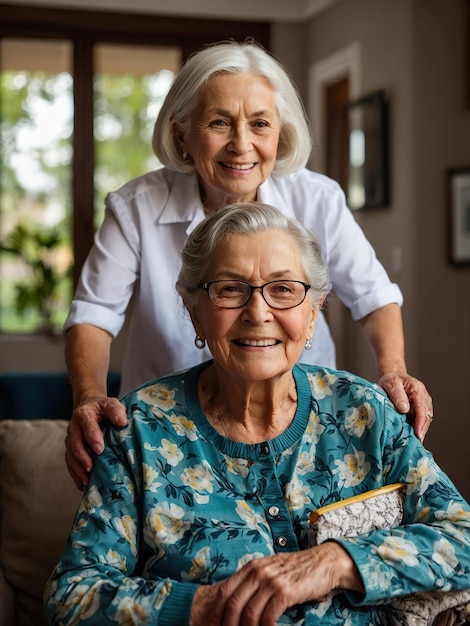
(199, 342)
(308, 344)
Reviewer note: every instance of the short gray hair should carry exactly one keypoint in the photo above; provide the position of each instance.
(295, 140)
(247, 219)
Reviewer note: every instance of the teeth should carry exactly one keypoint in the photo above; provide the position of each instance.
(239, 166)
(261, 343)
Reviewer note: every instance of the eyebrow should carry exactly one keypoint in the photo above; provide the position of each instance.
(228, 275)
(227, 113)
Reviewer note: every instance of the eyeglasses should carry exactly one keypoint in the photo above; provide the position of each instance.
(233, 294)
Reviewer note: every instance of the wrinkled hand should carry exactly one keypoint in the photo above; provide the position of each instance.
(409, 395)
(264, 588)
(84, 429)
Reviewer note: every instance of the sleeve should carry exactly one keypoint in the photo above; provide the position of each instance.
(110, 271)
(357, 276)
(98, 580)
(431, 549)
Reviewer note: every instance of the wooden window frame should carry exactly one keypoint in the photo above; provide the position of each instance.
(84, 29)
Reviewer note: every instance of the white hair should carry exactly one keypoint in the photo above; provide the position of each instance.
(247, 219)
(295, 141)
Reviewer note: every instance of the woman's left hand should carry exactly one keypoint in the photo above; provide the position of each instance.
(409, 395)
(264, 588)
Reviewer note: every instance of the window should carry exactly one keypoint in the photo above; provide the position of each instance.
(129, 86)
(36, 95)
(79, 93)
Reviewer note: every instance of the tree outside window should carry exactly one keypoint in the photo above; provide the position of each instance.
(36, 105)
(36, 254)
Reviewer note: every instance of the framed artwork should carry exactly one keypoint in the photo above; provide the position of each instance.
(467, 53)
(368, 171)
(458, 180)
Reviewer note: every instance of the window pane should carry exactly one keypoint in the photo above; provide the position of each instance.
(130, 85)
(36, 108)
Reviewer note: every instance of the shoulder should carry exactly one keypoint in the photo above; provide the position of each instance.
(166, 392)
(161, 177)
(151, 409)
(312, 198)
(163, 195)
(308, 181)
(341, 388)
(157, 185)
(351, 403)
(338, 377)
(157, 392)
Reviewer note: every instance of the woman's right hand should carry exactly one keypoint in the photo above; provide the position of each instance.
(87, 350)
(84, 432)
(263, 589)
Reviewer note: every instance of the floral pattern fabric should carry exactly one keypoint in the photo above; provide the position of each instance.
(172, 504)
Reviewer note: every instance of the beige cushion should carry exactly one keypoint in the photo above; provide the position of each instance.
(38, 500)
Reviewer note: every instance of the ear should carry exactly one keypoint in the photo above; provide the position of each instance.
(195, 320)
(179, 136)
(311, 322)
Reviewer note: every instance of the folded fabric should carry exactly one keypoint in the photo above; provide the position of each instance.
(376, 509)
(383, 509)
(436, 608)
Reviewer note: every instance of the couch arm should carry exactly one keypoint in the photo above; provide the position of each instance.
(38, 503)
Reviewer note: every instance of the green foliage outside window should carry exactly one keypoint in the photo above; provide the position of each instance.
(36, 115)
(35, 210)
(125, 111)
(43, 293)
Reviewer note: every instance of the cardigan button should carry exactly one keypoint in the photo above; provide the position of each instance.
(281, 542)
(273, 511)
(264, 449)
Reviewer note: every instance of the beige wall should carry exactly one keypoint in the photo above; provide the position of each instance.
(415, 51)
(441, 134)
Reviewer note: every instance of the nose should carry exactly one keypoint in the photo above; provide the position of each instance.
(257, 310)
(240, 139)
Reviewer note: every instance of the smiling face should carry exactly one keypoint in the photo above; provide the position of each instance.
(255, 342)
(233, 137)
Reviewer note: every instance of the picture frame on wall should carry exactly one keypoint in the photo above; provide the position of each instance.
(368, 168)
(467, 53)
(458, 183)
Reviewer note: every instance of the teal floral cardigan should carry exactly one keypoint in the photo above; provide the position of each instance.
(172, 504)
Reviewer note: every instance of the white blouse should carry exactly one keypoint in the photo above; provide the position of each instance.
(137, 254)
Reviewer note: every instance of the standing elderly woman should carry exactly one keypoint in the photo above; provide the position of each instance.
(232, 129)
(197, 511)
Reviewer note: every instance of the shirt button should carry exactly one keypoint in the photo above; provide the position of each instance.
(273, 511)
(264, 451)
(281, 542)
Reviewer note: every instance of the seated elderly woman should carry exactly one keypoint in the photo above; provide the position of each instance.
(198, 510)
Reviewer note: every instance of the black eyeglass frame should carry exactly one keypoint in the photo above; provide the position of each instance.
(206, 286)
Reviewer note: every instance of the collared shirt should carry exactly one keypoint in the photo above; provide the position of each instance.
(137, 256)
(173, 504)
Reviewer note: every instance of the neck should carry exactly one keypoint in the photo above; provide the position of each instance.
(250, 412)
(212, 200)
